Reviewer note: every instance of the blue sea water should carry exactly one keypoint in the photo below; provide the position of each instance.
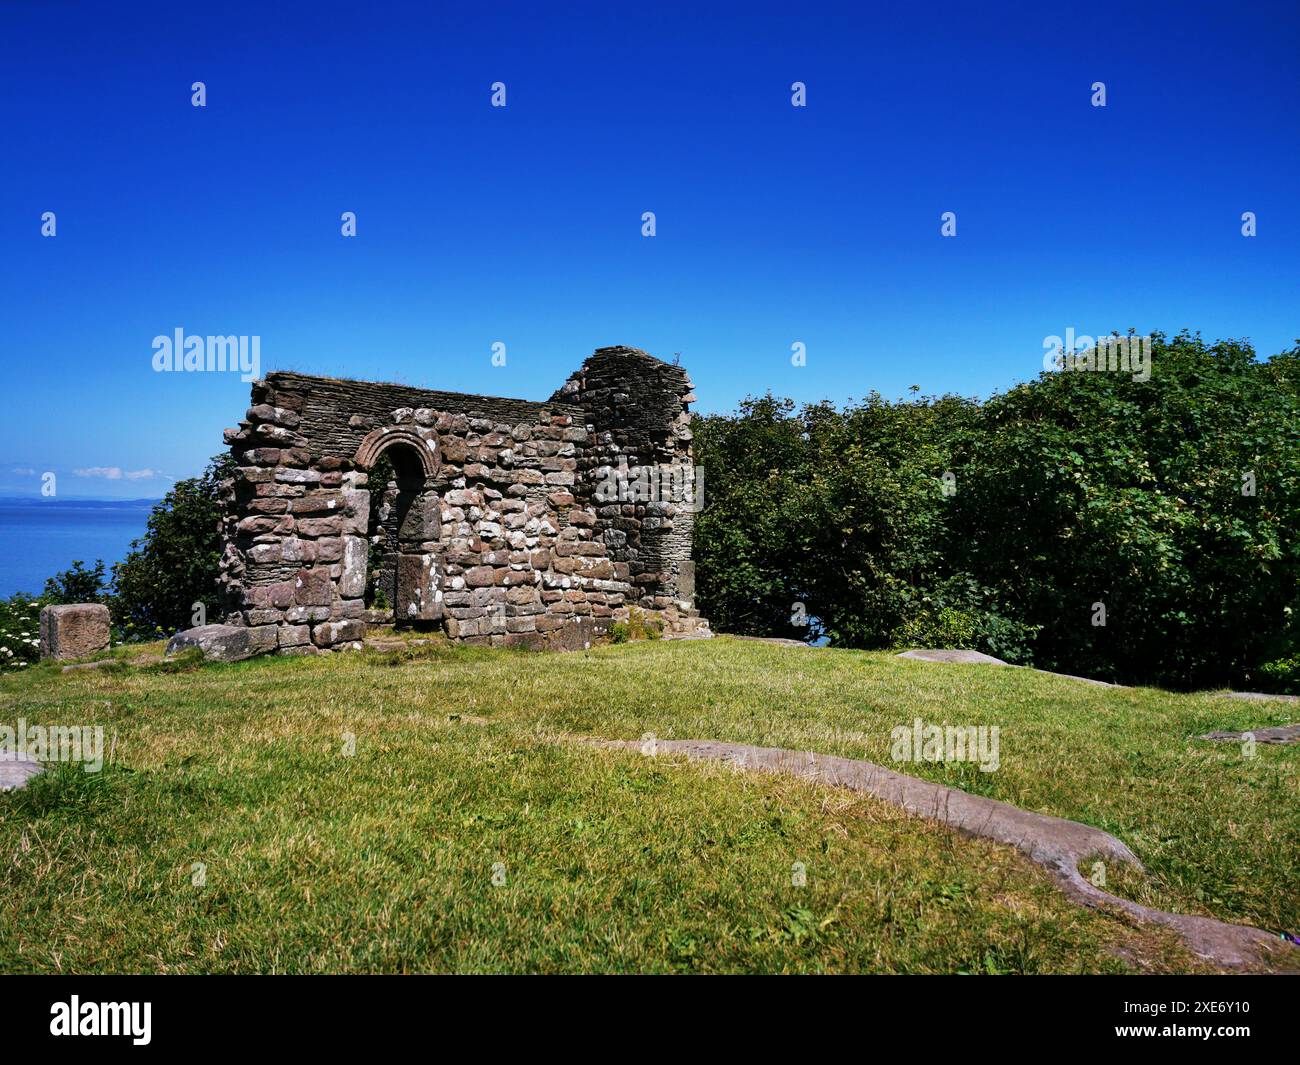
(40, 538)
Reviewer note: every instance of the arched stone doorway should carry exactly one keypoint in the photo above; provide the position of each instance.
(405, 526)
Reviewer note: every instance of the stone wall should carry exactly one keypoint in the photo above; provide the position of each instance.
(496, 522)
(636, 406)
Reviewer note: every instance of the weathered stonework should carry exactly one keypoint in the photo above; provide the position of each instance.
(74, 630)
(499, 526)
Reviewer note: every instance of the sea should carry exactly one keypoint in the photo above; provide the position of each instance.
(42, 537)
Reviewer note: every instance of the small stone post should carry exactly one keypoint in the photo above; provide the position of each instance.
(74, 630)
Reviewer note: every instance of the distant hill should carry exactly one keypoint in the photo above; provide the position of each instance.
(81, 501)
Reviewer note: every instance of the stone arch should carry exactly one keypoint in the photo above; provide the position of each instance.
(409, 528)
(377, 441)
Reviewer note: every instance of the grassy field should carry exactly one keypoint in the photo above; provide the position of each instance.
(239, 829)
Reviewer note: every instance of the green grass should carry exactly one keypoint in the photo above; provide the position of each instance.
(383, 860)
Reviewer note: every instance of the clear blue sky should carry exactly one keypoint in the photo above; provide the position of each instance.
(523, 225)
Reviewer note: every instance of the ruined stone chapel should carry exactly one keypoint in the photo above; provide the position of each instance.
(498, 521)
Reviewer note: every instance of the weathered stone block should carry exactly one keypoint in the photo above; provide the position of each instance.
(575, 634)
(255, 524)
(267, 506)
(280, 595)
(313, 587)
(525, 641)
(263, 638)
(352, 582)
(276, 434)
(686, 579)
(329, 633)
(570, 548)
(418, 593)
(294, 635)
(224, 643)
(319, 503)
(332, 526)
(288, 476)
(73, 630)
(329, 549)
(295, 550)
(356, 502)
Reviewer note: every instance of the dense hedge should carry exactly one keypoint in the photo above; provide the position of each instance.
(1078, 489)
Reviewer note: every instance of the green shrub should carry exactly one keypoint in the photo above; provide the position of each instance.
(1173, 501)
(638, 626)
(1093, 488)
(20, 630)
(1282, 675)
(959, 613)
(77, 585)
(941, 628)
(176, 564)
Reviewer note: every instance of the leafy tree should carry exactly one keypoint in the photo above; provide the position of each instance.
(77, 585)
(176, 564)
(745, 540)
(1171, 503)
(1094, 488)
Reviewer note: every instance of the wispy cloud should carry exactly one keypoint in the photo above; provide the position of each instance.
(115, 473)
(23, 471)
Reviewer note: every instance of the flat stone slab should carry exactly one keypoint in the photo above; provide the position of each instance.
(17, 769)
(1052, 842)
(1270, 734)
(224, 643)
(1258, 696)
(1071, 676)
(949, 655)
(979, 658)
(74, 630)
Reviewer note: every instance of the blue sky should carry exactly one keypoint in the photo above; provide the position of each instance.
(522, 224)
